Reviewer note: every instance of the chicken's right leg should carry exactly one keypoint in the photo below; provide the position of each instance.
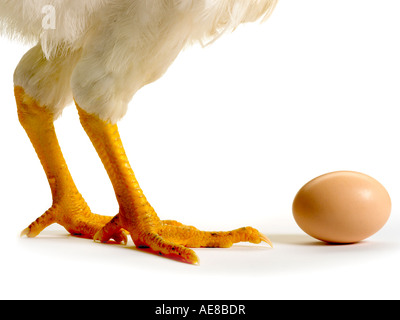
(69, 209)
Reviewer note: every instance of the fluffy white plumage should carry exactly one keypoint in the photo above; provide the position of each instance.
(102, 51)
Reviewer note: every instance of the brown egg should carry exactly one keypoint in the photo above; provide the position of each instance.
(342, 207)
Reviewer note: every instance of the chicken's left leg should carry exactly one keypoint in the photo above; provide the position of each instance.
(137, 216)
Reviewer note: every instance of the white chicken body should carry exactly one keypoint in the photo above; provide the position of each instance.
(101, 52)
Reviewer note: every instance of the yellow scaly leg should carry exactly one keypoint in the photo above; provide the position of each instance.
(69, 209)
(169, 238)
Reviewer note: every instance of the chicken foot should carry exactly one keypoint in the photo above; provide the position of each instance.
(69, 209)
(136, 215)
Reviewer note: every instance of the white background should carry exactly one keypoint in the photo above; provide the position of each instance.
(225, 139)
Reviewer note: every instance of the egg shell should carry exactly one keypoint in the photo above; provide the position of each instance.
(342, 207)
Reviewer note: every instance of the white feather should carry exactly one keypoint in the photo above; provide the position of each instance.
(24, 19)
(113, 47)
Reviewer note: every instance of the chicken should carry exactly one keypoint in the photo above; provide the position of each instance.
(99, 53)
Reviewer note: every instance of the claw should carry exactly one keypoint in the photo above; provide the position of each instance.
(119, 237)
(25, 232)
(266, 240)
